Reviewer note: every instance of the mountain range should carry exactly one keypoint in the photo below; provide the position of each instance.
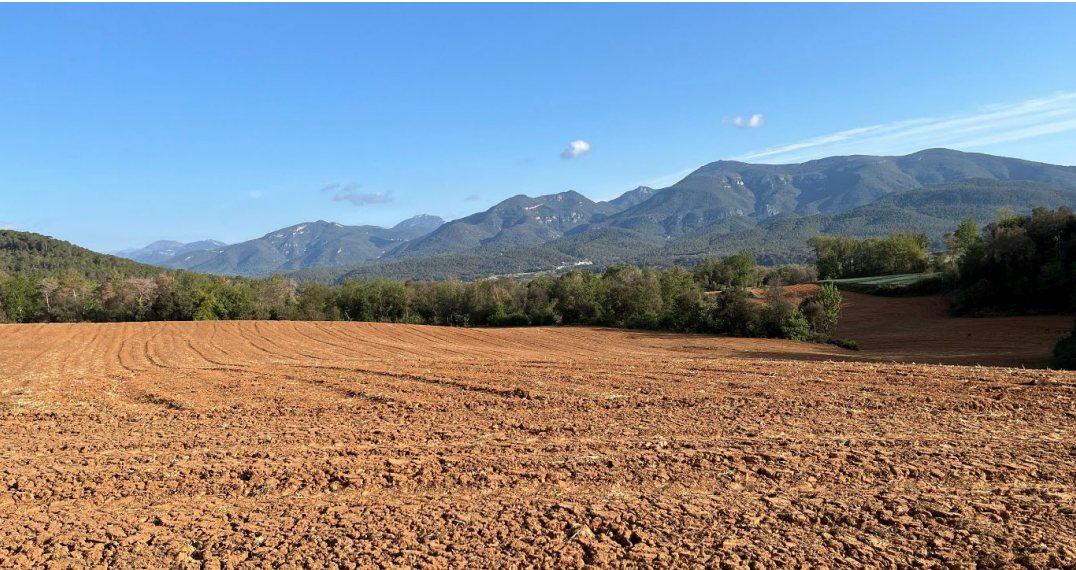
(718, 209)
(312, 244)
(163, 250)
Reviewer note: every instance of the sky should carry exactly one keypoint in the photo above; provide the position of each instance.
(123, 124)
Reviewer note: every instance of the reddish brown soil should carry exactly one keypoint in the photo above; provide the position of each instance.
(343, 445)
(919, 329)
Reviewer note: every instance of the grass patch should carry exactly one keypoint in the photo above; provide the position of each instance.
(903, 285)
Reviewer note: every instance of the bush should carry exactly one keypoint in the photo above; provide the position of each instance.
(776, 313)
(796, 327)
(543, 317)
(843, 343)
(791, 275)
(822, 313)
(504, 317)
(738, 271)
(1065, 353)
(733, 313)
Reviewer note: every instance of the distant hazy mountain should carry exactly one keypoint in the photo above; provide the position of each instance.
(313, 244)
(517, 221)
(163, 250)
(419, 225)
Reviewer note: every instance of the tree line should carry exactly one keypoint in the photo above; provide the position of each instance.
(715, 298)
(1018, 265)
(840, 257)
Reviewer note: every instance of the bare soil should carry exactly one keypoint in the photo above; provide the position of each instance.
(919, 329)
(351, 445)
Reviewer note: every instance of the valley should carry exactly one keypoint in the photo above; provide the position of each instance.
(550, 286)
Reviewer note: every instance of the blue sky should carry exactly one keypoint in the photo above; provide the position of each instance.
(122, 124)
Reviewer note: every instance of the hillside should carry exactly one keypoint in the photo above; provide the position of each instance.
(517, 221)
(934, 210)
(725, 189)
(43, 256)
(781, 238)
(313, 244)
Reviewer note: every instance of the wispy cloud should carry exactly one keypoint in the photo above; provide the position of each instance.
(255, 194)
(350, 193)
(986, 126)
(575, 150)
(745, 122)
(8, 226)
(667, 180)
(472, 198)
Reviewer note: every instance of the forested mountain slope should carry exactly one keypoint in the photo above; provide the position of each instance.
(43, 256)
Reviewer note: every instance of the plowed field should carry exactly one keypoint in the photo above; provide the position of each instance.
(349, 445)
(919, 329)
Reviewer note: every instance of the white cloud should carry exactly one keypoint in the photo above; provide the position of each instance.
(350, 193)
(749, 123)
(575, 150)
(986, 126)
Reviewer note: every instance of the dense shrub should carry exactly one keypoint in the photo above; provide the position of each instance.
(1017, 264)
(843, 257)
(1065, 353)
(796, 327)
(738, 270)
(790, 275)
(844, 343)
(823, 311)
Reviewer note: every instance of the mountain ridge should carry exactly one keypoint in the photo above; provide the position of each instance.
(720, 200)
(309, 244)
(163, 250)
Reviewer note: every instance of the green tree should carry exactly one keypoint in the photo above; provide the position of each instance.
(577, 298)
(739, 270)
(19, 298)
(207, 308)
(633, 297)
(796, 326)
(316, 302)
(776, 312)
(680, 300)
(275, 298)
(829, 298)
(964, 239)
